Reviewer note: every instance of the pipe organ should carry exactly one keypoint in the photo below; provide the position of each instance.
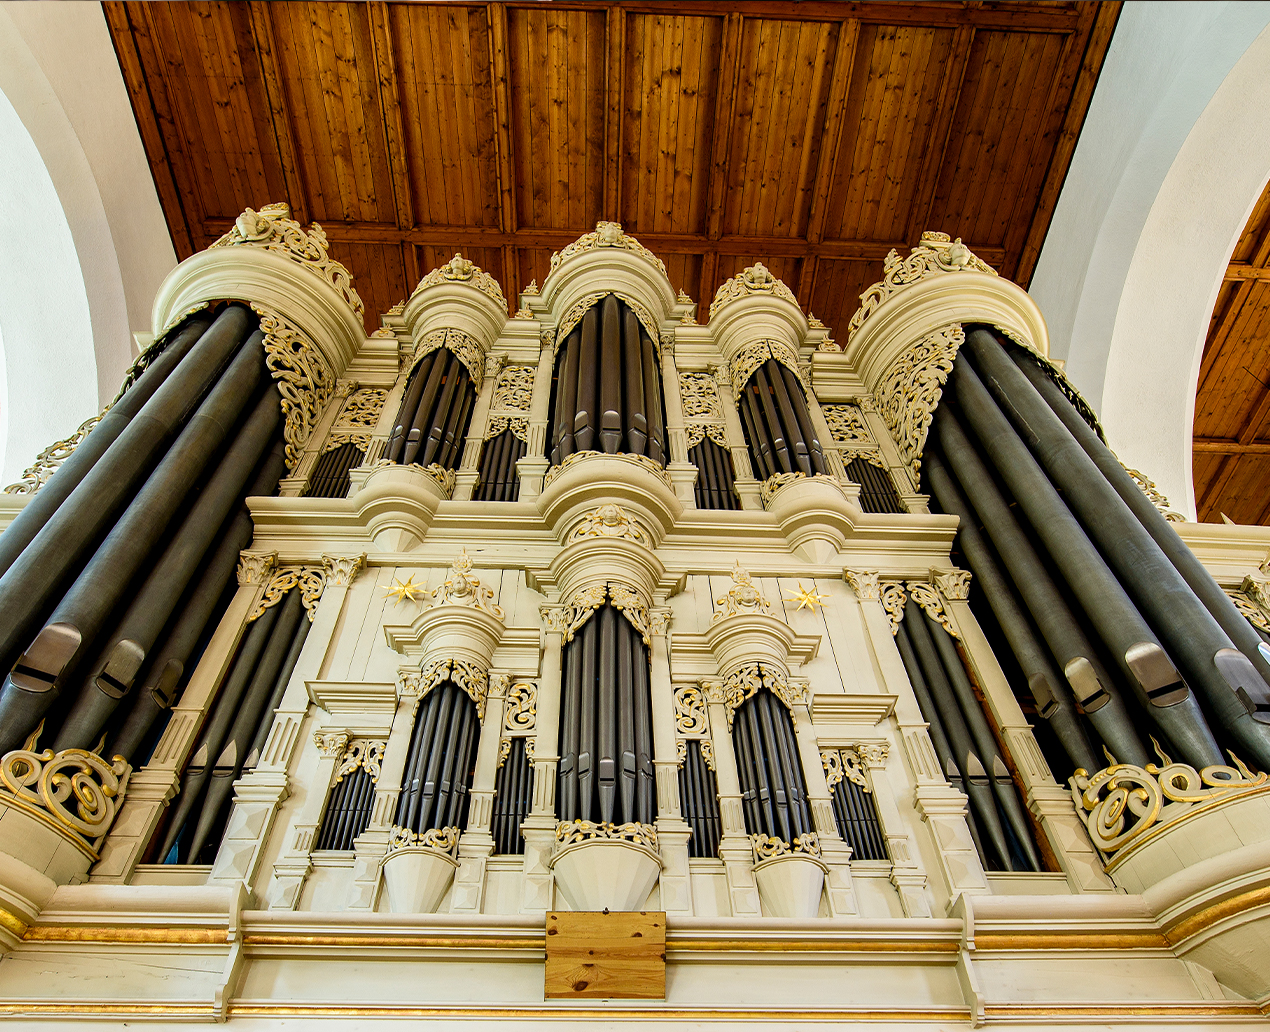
(324, 644)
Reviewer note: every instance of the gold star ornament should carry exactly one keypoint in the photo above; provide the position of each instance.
(808, 599)
(404, 590)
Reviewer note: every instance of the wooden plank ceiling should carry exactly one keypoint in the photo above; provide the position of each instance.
(1231, 457)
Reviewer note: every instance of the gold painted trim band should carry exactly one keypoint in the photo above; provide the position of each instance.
(13, 924)
(1210, 916)
(75, 933)
(529, 942)
(1071, 941)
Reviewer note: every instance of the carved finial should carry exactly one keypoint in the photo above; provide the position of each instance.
(742, 597)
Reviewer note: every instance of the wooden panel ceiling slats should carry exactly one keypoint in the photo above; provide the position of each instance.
(390, 104)
(294, 191)
(720, 135)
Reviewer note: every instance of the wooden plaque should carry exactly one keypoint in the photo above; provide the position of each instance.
(606, 955)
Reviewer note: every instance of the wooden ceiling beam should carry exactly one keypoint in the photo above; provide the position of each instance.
(390, 107)
(1226, 446)
(1241, 271)
(721, 127)
(830, 137)
(496, 15)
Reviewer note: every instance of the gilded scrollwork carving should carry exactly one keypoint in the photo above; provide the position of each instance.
(46, 463)
(700, 395)
(364, 754)
(745, 681)
(518, 425)
(690, 711)
(514, 390)
(768, 846)
(742, 597)
(569, 832)
(584, 304)
(934, 254)
(341, 570)
(909, 391)
(256, 567)
(606, 234)
(697, 432)
(928, 597)
(309, 579)
(1251, 610)
(466, 348)
(893, 599)
(273, 229)
(632, 605)
(362, 409)
(463, 588)
(521, 711)
(863, 582)
(1154, 495)
(568, 619)
(459, 270)
(847, 425)
(443, 840)
(642, 461)
(757, 279)
(750, 357)
(954, 585)
(303, 376)
(473, 679)
(330, 743)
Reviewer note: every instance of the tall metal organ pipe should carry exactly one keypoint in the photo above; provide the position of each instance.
(1090, 682)
(33, 581)
(773, 790)
(606, 740)
(607, 394)
(777, 424)
(497, 479)
(1116, 619)
(1052, 694)
(50, 661)
(1187, 563)
(441, 761)
(434, 413)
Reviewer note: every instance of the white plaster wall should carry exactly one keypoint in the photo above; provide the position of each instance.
(1173, 154)
(61, 78)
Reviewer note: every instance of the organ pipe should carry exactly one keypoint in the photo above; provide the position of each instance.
(348, 811)
(607, 395)
(498, 481)
(329, 478)
(699, 799)
(856, 817)
(606, 742)
(877, 491)
(513, 790)
(777, 424)
(434, 413)
(714, 487)
(773, 792)
(441, 761)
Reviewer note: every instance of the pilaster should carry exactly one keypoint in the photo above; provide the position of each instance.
(734, 842)
(539, 828)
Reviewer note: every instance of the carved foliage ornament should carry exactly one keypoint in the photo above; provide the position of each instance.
(927, 596)
(311, 581)
(742, 597)
(934, 254)
(1123, 802)
(700, 395)
(754, 355)
(303, 376)
(610, 521)
(892, 595)
(273, 229)
(459, 270)
(518, 425)
(697, 432)
(690, 711)
(909, 391)
(442, 840)
(514, 390)
(745, 682)
(463, 346)
(364, 754)
(568, 832)
(605, 234)
(362, 409)
(768, 846)
(464, 588)
(639, 460)
(584, 304)
(847, 425)
(468, 676)
(521, 711)
(757, 279)
(568, 619)
(1250, 607)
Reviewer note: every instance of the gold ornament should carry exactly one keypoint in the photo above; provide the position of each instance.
(405, 590)
(808, 599)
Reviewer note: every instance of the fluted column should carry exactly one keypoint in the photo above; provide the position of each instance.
(673, 831)
(539, 828)
(469, 465)
(532, 467)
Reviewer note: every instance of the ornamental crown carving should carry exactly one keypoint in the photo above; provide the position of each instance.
(935, 254)
(605, 234)
(757, 279)
(459, 270)
(273, 229)
(742, 597)
(610, 521)
(463, 588)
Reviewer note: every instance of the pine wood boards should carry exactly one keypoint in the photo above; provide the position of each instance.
(606, 956)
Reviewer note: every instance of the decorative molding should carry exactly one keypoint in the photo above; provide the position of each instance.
(272, 229)
(46, 463)
(441, 840)
(631, 604)
(954, 585)
(568, 619)
(750, 357)
(700, 395)
(768, 846)
(256, 567)
(639, 460)
(871, 455)
(742, 597)
(847, 425)
(361, 753)
(927, 596)
(463, 588)
(909, 391)
(442, 477)
(690, 711)
(870, 754)
(463, 346)
(769, 487)
(459, 270)
(569, 832)
(342, 570)
(697, 432)
(744, 682)
(1250, 609)
(514, 389)
(1156, 795)
(331, 743)
(309, 579)
(584, 304)
(934, 254)
(42, 783)
(605, 234)
(863, 582)
(362, 409)
(521, 710)
(893, 599)
(757, 279)
(610, 521)
(339, 438)
(471, 678)
(303, 376)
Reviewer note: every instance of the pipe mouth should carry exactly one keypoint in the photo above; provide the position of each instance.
(1088, 689)
(116, 677)
(1043, 694)
(1242, 677)
(163, 691)
(39, 667)
(1155, 674)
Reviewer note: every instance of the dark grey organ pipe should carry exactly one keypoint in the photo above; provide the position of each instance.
(44, 669)
(257, 746)
(943, 749)
(985, 741)
(31, 583)
(1137, 649)
(611, 384)
(166, 664)
(588, 759)
(979, 786)
(607, 714)
(1226, 679)
(585, 422)
(405, 416)
(1051, 692)
(247, 715)
(222, 711)
(1068, 644)
(637, 390)
(653, 399)
(115, 669)
(44, 503)
(1187, 563)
